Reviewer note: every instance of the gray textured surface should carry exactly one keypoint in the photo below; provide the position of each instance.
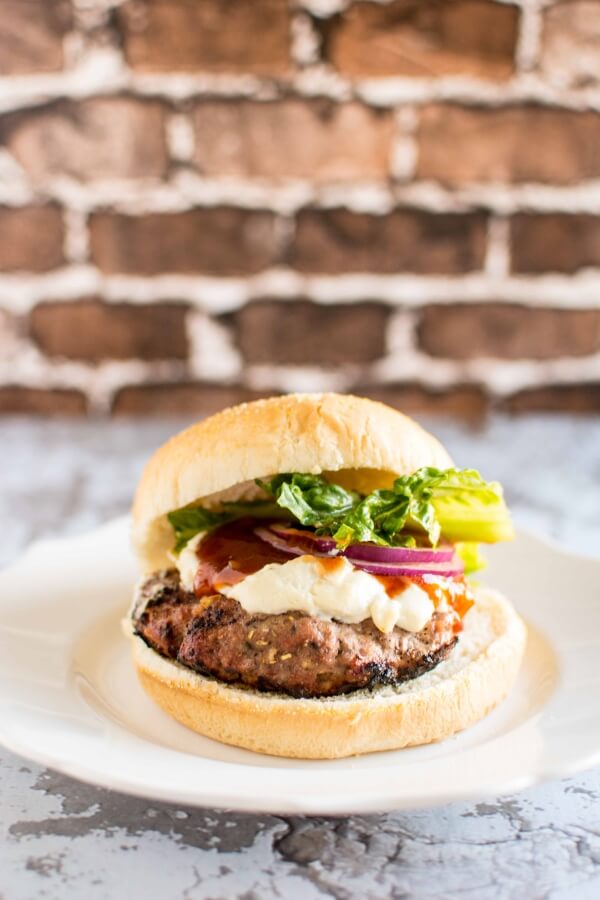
(61, 839)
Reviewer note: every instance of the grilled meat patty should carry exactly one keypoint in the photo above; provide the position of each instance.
(291, 653)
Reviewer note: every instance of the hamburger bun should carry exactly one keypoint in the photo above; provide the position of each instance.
(367, 445)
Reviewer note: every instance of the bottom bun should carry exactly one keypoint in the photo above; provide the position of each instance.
(459, 692)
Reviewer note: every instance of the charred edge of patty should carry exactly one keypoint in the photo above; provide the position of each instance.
(205, 636)
(376, 675)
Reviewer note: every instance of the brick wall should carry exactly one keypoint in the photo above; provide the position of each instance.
(209, 200)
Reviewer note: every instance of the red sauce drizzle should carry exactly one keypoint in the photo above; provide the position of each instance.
(394, 584)
(229, 553)
(455, 591)
(329, 564)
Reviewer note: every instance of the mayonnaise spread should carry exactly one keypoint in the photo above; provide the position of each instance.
(187, 561)
(330, 589)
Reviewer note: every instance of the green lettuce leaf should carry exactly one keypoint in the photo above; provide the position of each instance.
(456, 504)
(188, 521)
(311, 499)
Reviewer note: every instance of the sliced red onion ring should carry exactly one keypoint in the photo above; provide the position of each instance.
(370, 557)
(288, 546)
(376, 554)
(296, 537)
(443, 569)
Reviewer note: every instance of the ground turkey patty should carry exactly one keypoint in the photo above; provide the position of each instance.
(292, 653)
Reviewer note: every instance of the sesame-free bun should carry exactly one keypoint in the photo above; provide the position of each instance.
(459, 692)
(366, 443)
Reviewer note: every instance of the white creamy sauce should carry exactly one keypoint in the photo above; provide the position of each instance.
(313, 586)
(187, 561)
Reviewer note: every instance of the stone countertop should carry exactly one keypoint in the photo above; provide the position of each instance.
(62, 839)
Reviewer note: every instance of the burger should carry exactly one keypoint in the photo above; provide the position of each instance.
(306, 587)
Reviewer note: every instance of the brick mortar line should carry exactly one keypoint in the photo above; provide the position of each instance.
(20, 293)
(401, 333)
(402, 164)
(101, 382)
(501, 377)
(344, 4)
(76, 242)
(212, 350)
(319, 7)
(20, 92)
(97, 382)
(180, 138)
(527, 52)
(297, 378)
(497, 257)
(87, 17)
(305, 40)
(188, 190)
(81, 7)
(524, 88)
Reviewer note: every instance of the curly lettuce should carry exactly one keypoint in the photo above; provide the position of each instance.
(188, 521)
(454, 504)
(431, 504)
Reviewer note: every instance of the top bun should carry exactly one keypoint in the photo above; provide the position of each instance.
(365, 443)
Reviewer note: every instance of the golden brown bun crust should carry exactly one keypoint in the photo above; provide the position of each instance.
(460, 692)
(294, 433)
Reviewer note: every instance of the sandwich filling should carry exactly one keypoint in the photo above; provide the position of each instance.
(315, 590)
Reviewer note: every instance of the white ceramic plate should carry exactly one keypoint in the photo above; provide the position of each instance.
(69, 698)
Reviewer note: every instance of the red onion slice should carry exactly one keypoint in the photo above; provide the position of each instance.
(297, 538)
(294, 537)
(444, 569)
(295, 549)
(377, 554)
(370, 557)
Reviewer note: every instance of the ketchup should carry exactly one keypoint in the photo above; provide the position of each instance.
(455, 592)
(394, 584)
(229, 553)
